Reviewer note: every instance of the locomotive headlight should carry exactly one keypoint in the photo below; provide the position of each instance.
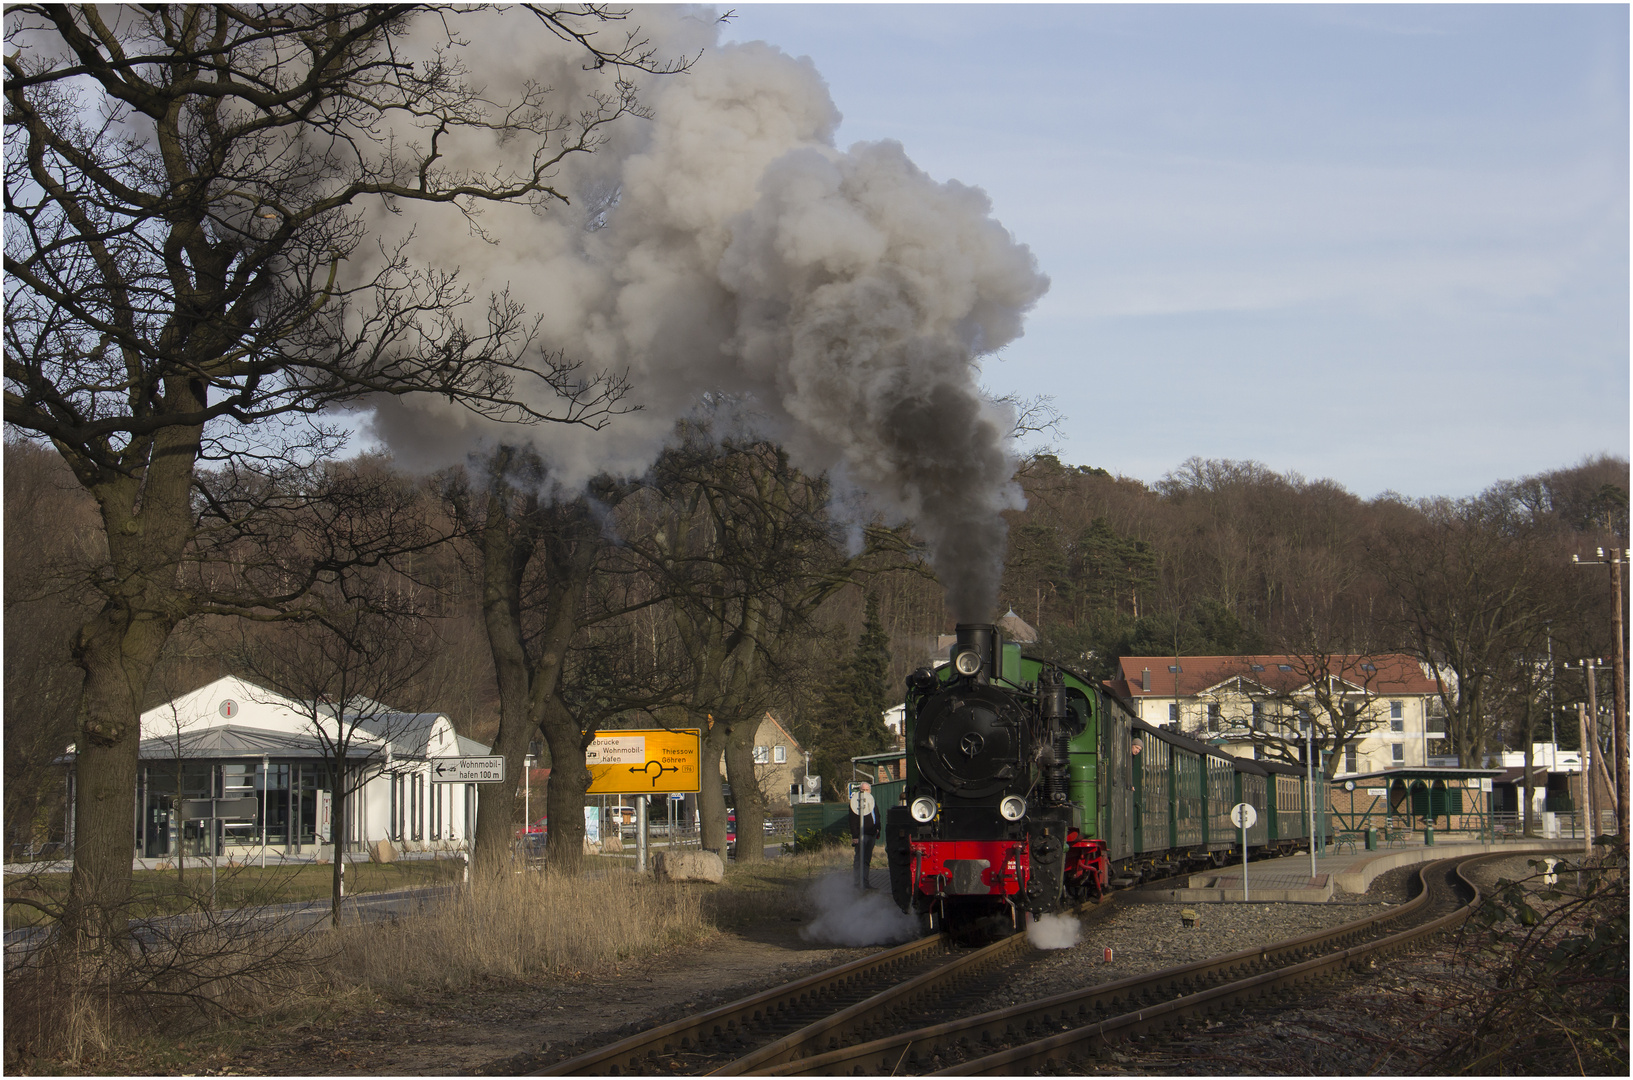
(967, 662)
(1013, 808)
(923, 809)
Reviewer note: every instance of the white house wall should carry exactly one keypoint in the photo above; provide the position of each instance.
(1374, 750)
(232, 700)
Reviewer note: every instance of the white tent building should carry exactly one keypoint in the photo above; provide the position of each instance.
(269, 764)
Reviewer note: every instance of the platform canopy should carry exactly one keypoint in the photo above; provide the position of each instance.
(1444, 773)
(1432, 795)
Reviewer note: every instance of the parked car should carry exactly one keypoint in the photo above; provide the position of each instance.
(533, 836)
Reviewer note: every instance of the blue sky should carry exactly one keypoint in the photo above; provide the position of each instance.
(1385, 245)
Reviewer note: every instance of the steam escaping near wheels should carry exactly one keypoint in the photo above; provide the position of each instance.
(1054, 932)
(846, 915)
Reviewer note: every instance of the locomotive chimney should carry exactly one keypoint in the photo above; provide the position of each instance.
(987, 643)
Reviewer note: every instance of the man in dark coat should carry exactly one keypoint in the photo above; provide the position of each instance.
(864, 830)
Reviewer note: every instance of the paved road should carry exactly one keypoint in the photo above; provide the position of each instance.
(298, 916)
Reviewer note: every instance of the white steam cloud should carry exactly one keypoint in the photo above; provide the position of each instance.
(846, 915)
(1054, 932)
(844, 295)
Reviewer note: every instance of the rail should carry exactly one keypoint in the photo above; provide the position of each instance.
(1050, 1054)
(1158, 996)
(727, 1024)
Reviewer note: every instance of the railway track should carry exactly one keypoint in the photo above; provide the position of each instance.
(850, 1004)
(877, 1016)
(1051, 1034)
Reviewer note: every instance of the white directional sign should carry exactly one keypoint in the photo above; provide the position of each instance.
(468, 770)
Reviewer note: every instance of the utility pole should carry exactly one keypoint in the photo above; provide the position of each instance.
(1619, 721)
(1592, 758)
(1587, 781)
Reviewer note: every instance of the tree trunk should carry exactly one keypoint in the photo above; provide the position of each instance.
(569, 778)
(568, 538)
(1527, 734)
(504, 560)
(711, 799)
(147, 517)
(745, 791)
(117, 654)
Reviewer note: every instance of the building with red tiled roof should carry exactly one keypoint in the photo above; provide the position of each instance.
(1239, 702)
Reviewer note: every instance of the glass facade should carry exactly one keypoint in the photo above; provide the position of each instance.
(293, 808)
(288, 797)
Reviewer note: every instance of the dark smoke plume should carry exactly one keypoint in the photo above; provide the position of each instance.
(727, 246)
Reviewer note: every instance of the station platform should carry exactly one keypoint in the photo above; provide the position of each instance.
(1346, 870)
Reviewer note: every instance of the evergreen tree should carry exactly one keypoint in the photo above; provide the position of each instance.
(849, 719)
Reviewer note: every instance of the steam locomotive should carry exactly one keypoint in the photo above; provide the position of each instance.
(1029, 790)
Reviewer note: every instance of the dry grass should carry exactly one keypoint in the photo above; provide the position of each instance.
(223, 973)
(67, 1005)
(524, 926)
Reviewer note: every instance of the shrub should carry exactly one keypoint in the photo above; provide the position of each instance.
(812, 841)
(1553, 996)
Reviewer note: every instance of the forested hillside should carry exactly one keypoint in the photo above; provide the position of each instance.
(721, 586)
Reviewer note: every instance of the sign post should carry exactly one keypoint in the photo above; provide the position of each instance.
(1309, 759)
(213, 810)
(1243, 816)
(645, 762)
(468, 770)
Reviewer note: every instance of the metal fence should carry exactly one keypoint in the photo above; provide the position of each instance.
(1572, 823)
(36, 853)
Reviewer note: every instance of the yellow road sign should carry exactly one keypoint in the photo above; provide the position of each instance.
(649, 762)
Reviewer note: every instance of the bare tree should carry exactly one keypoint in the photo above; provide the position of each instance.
(1476, 584)
(338, 667)
(536, 553)
(184, 196)
(747, 556)
(1335, 692)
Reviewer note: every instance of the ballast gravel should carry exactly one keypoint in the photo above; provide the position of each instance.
(1143, 938)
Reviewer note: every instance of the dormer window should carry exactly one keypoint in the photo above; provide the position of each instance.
(1257, 667)
(1284, 667)
(1174, 669)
